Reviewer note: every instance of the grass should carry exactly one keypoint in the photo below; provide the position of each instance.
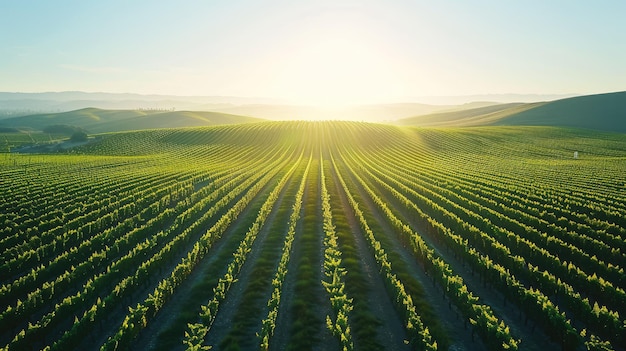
(304, 310)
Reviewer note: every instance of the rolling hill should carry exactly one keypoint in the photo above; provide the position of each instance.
(233, 232)
(100, 121)
(23, 104)
(367, 113)
(599, 112)
(467, 117)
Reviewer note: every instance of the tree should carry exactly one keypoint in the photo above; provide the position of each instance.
(79, 136)
(64, 129)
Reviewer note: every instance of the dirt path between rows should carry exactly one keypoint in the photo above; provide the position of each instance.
(286, 316)
(391, 332)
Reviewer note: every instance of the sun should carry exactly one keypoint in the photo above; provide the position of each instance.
(338, 66)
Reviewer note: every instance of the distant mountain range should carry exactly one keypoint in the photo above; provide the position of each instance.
(600, 112)
(14, 104)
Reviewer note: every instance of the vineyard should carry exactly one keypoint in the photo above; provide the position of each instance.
(317, 236)
(11, 141)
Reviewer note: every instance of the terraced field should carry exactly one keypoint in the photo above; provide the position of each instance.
(317, 236)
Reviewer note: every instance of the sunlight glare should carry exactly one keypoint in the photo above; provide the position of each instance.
(338, 66)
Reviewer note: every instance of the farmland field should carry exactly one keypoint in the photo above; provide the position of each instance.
(317, 236)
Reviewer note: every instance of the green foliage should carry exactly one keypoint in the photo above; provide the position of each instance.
(78, 137)
(63, 129)
(334, 272)
(119, 226)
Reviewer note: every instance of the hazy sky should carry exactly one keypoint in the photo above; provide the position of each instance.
(322, 51)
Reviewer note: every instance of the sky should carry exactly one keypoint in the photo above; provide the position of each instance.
(324, 52)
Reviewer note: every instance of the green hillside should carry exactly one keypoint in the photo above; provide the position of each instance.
(466, 117)
(99, 121)
(600, 112)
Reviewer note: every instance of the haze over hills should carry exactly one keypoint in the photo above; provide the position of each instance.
(368, 113)
(601, 112)
(97, 120)
(74, 100)
(456, 117)
(19, 104)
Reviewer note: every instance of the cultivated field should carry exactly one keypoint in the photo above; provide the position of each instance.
(317, 236)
